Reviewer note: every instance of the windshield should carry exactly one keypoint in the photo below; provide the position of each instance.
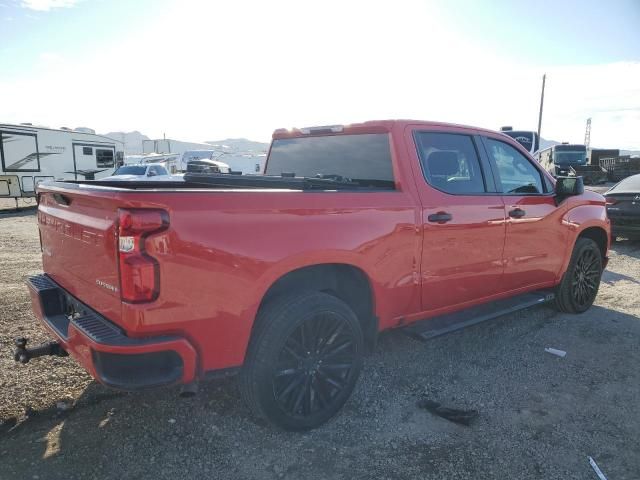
(130, 170)
(363, 157)
(569, 158)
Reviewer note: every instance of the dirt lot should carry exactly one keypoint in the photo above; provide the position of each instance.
(540, 415)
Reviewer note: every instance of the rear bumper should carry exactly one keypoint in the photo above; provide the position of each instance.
(104, 349)
(625, 225)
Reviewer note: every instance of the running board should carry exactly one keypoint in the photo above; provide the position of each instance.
(436, 326)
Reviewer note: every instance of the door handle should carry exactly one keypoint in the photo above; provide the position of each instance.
(61, 199)
(440, 217)
(517, 213)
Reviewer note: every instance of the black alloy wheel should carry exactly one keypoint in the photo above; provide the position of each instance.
(586, 277)
(314, 365)
(303, 361)
(580, 283)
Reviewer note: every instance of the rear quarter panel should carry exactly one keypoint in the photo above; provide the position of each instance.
(224, 250)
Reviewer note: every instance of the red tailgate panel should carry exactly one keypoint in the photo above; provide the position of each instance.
(79, 248)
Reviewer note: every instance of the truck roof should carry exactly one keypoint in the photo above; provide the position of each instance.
(372, 126)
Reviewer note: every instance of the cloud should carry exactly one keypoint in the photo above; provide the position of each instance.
(248, 76)
(49, 57)
(46, 5)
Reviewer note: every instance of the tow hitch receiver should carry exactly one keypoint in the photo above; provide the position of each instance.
(24, 354)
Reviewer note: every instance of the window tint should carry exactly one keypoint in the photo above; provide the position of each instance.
(104, 158)
(358, 157)
(87, 151)
(450, 162)
(516, 174)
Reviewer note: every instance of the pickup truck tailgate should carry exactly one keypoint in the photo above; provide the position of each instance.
(79, 247)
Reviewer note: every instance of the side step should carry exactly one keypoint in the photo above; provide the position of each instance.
(436, 326)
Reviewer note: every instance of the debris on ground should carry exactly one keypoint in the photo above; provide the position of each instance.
(556, 352)
(596, 469)
(464, 417)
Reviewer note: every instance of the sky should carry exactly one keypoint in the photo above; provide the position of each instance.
(207, 70)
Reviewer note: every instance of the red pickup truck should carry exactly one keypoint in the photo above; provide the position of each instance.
(287, 278)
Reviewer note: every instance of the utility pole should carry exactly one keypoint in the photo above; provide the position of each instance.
(587, 134)
(544, 77)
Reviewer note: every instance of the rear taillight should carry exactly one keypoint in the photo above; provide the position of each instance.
(611, 201)
(139, 272)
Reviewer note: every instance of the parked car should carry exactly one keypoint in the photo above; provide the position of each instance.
(287, 279)
(140, 172)
(623, 207)
(206, 165)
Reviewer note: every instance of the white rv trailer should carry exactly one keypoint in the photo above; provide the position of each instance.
(30, 155)
(247, 163)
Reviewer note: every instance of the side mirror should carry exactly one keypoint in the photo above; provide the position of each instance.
(569, 186)
(151, 174)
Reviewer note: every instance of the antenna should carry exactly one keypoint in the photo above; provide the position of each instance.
(587, 134)
(544, 77)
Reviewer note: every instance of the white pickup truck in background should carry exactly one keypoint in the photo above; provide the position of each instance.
(147, 171)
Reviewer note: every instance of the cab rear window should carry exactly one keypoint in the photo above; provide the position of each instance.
(357, 157)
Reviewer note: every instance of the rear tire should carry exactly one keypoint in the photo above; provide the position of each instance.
(580, 283)
(303, 361)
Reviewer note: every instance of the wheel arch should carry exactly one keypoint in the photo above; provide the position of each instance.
(598, 235)
(345, 281)
(586, 220)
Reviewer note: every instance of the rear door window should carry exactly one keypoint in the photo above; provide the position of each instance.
(516, 174)
(450, 162)
(356, 157)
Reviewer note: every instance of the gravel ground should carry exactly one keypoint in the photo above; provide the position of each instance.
(540, 415)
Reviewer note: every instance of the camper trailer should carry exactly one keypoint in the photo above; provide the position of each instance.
(30, 155)
(528, 139)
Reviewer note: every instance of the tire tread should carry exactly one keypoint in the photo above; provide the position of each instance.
(563, 301)
(271, 321)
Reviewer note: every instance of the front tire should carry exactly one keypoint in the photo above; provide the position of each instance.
(303, 361)
(580, 283)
